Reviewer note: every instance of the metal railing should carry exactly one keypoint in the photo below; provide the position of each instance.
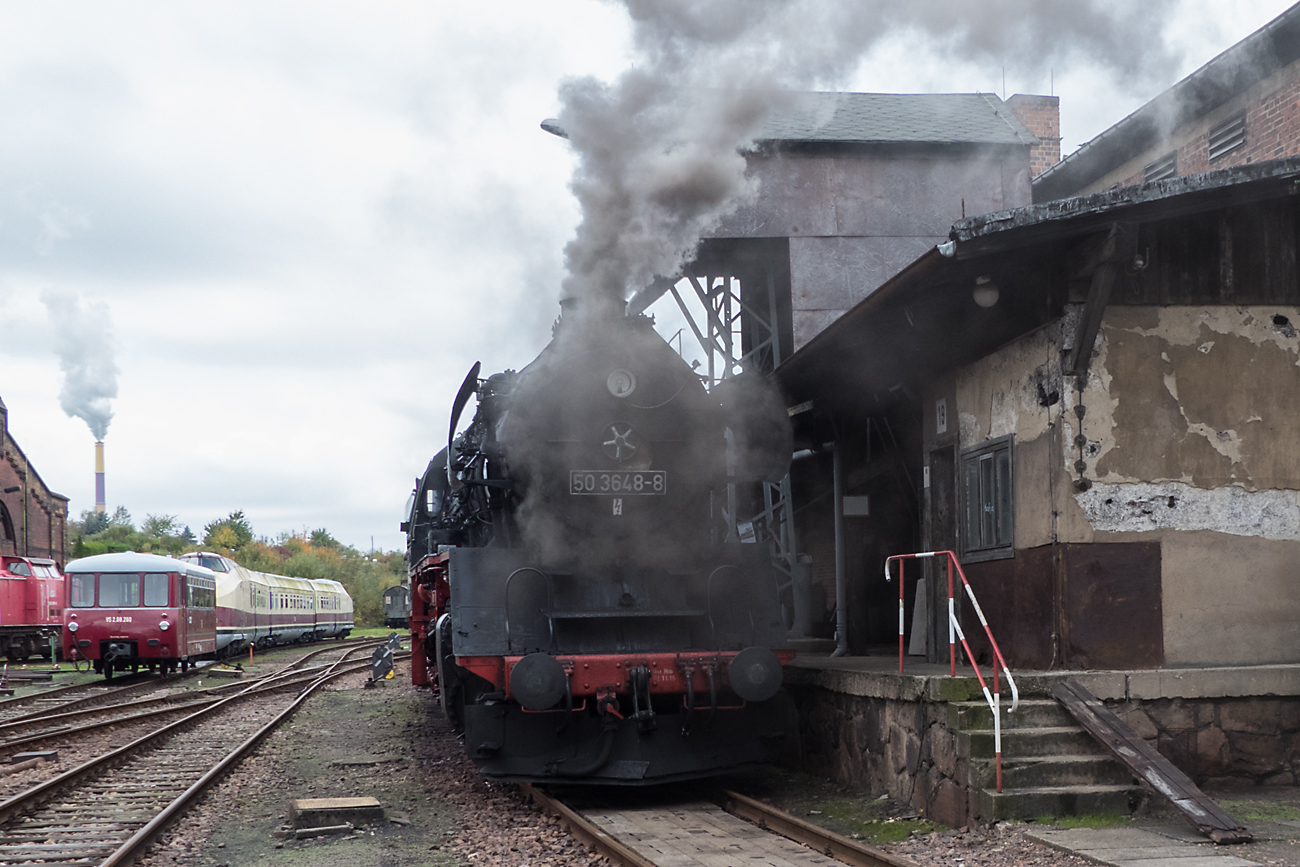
(955, 633)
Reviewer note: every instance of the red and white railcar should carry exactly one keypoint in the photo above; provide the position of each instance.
(128, 611)
(31, 606)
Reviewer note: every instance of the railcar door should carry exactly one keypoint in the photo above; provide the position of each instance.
(182, 625)
(202, 616)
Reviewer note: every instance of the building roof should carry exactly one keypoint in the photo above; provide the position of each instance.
(860, 118)
(1166, 198)
(131, 561)
(1272, 47)
(923, 319)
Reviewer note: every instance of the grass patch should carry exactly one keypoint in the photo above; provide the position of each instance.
(849, 820)
(1091, 820)
(1260, 811)
(379, 632)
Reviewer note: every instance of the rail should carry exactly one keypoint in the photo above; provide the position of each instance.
(955, 633)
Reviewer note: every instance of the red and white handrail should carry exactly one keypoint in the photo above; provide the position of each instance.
(994, 697)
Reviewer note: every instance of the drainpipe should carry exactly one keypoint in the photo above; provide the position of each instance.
(841, 568)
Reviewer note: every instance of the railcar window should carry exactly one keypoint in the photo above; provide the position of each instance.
(81, 590)
(155, 590)
(119, 590)
(216, 564)
(18, 567)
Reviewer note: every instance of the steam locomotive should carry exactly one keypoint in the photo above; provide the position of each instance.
(582, 617)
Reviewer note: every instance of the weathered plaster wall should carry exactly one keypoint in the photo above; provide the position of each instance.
(1229, 599)
(1191, 430)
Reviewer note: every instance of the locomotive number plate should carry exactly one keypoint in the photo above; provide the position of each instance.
(630, 483)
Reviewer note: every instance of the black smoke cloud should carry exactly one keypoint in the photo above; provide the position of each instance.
(660, 150)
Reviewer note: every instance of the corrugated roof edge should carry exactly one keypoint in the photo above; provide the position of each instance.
(1095, 203)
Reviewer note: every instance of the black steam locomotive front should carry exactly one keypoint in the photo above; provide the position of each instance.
(592, 625)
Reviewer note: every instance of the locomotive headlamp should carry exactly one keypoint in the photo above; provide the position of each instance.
(755, 674)
(164, 626)
(621, 383)
(537, 681)
(72, 627)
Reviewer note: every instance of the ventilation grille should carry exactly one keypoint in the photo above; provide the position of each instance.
(1165, 167)
(1227, 136)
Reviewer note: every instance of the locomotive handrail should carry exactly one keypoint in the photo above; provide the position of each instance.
(550, 605)
(955, 632)
(713, 631)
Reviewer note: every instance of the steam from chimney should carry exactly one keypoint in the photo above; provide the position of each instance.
(83, 339)
(660, 149)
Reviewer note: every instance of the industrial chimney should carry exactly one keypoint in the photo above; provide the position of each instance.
(100, 505)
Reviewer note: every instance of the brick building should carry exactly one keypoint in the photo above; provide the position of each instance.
(33, 519)
(1041, 115)
(1242, 107)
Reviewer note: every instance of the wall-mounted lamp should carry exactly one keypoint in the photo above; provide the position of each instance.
(13, 489)
(986, 291)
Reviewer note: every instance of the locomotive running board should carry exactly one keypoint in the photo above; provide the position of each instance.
(1147, 764)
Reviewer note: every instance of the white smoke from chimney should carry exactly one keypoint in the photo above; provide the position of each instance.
(660, 149)
(83, 339)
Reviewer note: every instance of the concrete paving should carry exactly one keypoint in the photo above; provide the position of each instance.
(1159, 846)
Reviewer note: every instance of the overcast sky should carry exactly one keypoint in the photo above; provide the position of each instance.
(301, 223)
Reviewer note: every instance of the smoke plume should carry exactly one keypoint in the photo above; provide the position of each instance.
(83, 339)
(661, 148)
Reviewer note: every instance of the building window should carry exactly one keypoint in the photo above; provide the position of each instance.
(987, 530)
(1226, 137)
(1165, 167)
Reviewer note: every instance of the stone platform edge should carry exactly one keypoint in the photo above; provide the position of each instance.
(846, 676)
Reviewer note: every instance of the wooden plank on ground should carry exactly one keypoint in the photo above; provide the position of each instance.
(1145, 762)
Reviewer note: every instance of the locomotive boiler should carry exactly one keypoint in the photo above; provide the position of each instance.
(582, 615)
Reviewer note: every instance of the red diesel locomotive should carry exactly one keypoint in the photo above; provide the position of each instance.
(128, 611)
(31, 606)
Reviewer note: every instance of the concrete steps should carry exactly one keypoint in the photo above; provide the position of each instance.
(1050, 765)
(1038, 801)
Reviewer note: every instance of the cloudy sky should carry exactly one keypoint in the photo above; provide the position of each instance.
(292, 227)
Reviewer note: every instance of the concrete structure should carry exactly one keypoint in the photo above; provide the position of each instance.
(1242, 107)
(1131, 504)
(33, 519)
(1091, 401)
(853, 186)
(926, 739)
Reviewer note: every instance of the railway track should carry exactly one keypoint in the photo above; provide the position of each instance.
(28, 732)
(97, 693)
(723, 828)
(105, 811)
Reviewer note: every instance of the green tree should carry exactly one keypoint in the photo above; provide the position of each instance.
(121, 518)
(158, 526)
(240, 535)
(93, 522)
(322, 539)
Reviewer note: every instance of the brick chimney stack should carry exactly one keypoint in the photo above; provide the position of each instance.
(1042, 114)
